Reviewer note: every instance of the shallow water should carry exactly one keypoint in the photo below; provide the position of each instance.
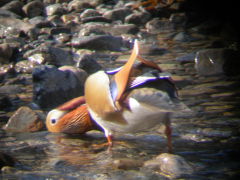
(208, 138)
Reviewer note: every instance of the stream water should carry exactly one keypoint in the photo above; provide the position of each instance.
(208, 138)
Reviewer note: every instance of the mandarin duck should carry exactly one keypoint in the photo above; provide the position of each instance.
(133, 98)
(71, 117)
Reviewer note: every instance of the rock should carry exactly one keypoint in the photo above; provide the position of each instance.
(15, 7)
(49, 54)
(117, 14)
(171, 165)
(217, 61)
(55, 9)
(33, 8)
(119, 29)
(88, 63)
(53, 86)
(8, 14)
(79, 6)
(14, 23)
(6, 52)
(6, 160)
(25, 120)
(96, 19)
(139, 18)
(187, 58)
(184, 37)
(99, 42)
(156, 26)
(5, 102)
(89, 13)
(127, 164)
(178, 20)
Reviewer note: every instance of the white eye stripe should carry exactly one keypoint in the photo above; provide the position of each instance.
(54, 115)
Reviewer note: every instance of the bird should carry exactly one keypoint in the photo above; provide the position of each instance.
(133, 98)
(72, 117)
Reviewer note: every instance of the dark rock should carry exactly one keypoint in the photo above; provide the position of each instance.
(96, 19)
(217, 61)
(88, 63)
(178, 20)
(49, 54)
(120, 29)
(6, 52)
(15, 7)
(25, 120)
(172, 165)
(3, 2)
(52, 86)
(184, 37)
(99, 42)
(139, 18)
(33, 8)
(5, 102)
(6, 160)
(117, 14)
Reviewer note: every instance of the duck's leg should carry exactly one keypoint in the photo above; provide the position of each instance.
(168, 132)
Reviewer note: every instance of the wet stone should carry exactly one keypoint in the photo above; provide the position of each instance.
(171, 165)
(33, 8)
(139, 18)
(50, 88)
(54, 9)
(25, 120)
(127, 164)
(156, 26)
(117, 14)
(14, 6)
(6, 52)
(79, 6)
(6, 160)
(89, 13)
(99, 42)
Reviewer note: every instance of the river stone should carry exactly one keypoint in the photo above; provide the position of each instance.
(14, 23)
(8, 14)
(171, 165)
(88, 63)
(6, 52)
(139, 18)
(79, 6)
(53, 86)
(127, 164)
(54, 9)
(157, 25)
(99, 42)
(33, 8)
(15, 7)
(89, 13)
(6, 160)
(217, 61)
(117, 14)
(25, 120)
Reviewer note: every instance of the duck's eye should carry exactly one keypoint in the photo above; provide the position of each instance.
(53, 121)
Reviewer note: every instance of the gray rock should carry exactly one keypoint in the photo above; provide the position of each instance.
(156, 26)
(13, 23)
(33, 8)
(54, 9)
(53, 86)
(127, 164)
(25, 120)
(6, 13)
(178, 20)
(15, 7)
(6, 52)
(99, 42)
(118, 14)
(89, 13)
(79, 6)
(172, 165)
(96, 19)
(139, 18)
